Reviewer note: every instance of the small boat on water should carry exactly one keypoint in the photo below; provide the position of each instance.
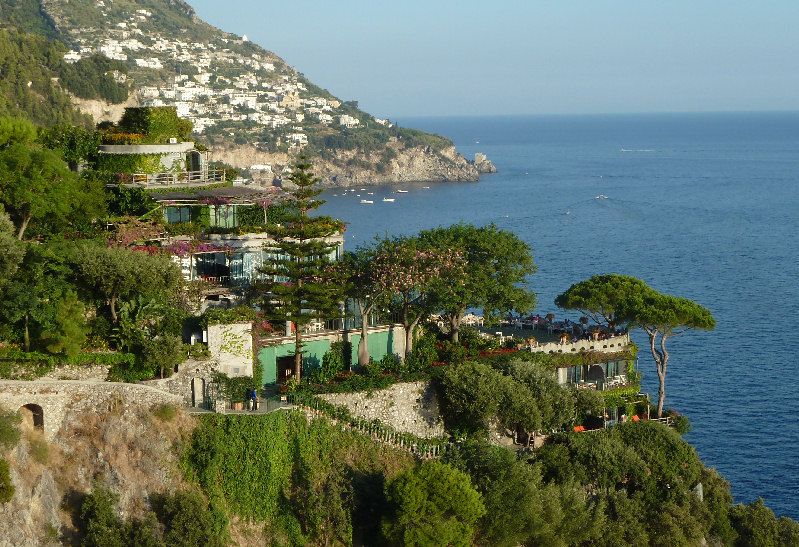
(388, 199)
(367, 201)
(402, 191)
(425, 187)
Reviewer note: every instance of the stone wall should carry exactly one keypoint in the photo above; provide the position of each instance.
(56, 397)
(191, 382)
(409, 407)
(231, 346)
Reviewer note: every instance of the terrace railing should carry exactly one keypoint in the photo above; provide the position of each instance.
(182, 178)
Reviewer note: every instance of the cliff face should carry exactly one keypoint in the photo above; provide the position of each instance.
(351, 168)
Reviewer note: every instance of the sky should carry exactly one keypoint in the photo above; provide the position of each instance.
(447, 58)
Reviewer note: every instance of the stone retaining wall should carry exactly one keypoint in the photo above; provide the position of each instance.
(56, 397)
(409, 407)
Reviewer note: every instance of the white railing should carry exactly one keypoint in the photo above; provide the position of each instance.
(181, 178)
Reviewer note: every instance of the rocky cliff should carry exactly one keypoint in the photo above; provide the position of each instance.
(352, 168)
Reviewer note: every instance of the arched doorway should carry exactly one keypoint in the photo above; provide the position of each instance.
(32, 417)
(197, 391)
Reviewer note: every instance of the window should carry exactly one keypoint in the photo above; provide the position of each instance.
(176, 215)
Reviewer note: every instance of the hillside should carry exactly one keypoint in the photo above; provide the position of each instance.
(245, 102)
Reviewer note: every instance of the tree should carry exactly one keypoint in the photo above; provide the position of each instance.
(600, 296)
(36, 184)
(114, 273)
(75, 144)
(14, 130)
(434, 504)
(361, 270)
(69, 331)
(11, 250)
(405, 274)
(302, 284)
(495, 277)
(662, 316)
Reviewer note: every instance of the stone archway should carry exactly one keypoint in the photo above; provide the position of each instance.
(32, 417)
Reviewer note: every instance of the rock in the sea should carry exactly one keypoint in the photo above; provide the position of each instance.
(483, 164)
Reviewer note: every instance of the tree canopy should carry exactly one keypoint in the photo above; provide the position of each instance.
(600, 296)
(114, 273)
(495, 276)
(620, 299)
(434, 504)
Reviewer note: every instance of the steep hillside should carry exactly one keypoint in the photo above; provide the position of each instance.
(244, 101)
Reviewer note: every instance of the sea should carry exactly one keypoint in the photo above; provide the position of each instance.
(703, 206)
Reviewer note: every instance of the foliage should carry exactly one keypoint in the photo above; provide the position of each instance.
(163, 353)
(76, 144)
(28, 59)
(156, 124)
(129, 201)
(7, 489)
(235, 389)
(165, 412)
(495, 276)
(226, 316)
(183, 518)
(131, 163)
(600, 297)
(662, 316)
(39, 450)
(520, 508)
(284, 472)
(11, 250)
(115, 274)
(9, 428)
(37, 185)
(190, 520)
(334, 362)
(69, 331)
(93, 78)
(434, 504)
(302, 285)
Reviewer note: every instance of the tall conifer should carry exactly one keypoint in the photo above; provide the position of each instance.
(302, 284)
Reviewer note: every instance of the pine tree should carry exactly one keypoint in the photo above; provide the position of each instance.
(303, 285)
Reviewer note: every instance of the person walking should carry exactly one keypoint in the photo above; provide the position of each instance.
(254, 395)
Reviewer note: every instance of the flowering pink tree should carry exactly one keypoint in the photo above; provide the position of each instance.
(405, 274)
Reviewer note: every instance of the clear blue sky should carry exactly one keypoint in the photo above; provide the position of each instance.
(438, 57)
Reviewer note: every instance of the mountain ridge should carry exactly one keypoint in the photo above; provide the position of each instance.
(247, 104)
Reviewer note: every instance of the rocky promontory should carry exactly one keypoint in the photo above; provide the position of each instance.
(351, 168)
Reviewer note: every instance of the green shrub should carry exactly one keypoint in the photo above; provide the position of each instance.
(9, 429)
(373, 368)
(434, 504)
(165, 412)
(6, 488)
(450, 352)
(393, 363)
(40, 450)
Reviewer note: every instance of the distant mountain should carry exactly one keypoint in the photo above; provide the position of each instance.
(245, 102)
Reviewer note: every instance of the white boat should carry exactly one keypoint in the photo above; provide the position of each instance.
(402, 191)
(388, 199)
(426, 187)
(367, 201)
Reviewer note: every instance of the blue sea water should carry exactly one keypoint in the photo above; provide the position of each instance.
(702, 206)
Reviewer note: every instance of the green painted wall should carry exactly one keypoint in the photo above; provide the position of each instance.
(312, 359)
(380, 344)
